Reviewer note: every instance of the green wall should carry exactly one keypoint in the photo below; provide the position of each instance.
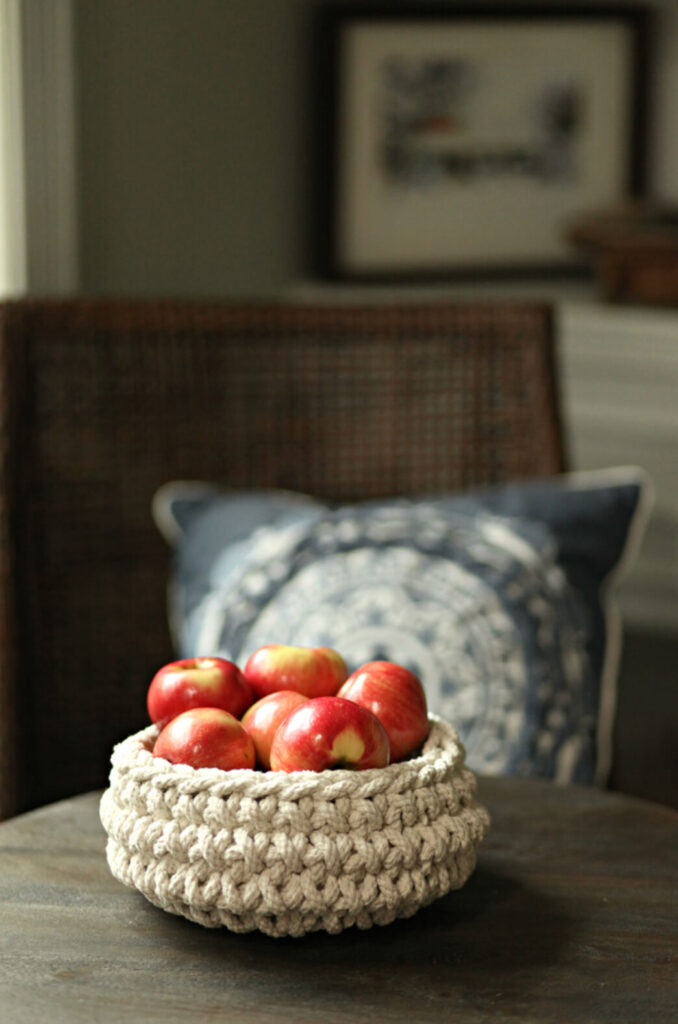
(194, 126)
(191, 145)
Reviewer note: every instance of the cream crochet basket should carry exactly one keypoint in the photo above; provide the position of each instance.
(290, 854)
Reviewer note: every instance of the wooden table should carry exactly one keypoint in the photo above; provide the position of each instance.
(570, 916)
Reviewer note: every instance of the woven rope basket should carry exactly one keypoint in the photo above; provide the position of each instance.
(290, 854)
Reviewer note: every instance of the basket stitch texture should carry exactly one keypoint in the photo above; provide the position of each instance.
(292, 853)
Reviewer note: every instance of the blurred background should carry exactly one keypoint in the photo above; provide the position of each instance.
(166, 148)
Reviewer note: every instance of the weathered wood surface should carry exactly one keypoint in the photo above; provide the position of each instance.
(571, 916)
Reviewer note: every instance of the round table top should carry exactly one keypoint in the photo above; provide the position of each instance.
(570, 915)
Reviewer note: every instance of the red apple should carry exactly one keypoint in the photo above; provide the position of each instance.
(328, 732)
(313, 671)
(206, 738)
(263, 718)
(197, 683)
(395, 695)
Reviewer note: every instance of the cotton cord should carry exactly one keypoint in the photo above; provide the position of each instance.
(292, 853)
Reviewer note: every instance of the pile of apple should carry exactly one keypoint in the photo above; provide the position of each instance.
(290, 709)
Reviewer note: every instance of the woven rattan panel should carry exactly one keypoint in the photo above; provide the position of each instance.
(118, 399)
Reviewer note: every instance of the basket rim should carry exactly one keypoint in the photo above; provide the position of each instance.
(442, 755)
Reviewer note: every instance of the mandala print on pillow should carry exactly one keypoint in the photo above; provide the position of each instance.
(499, 600)
(482, 613)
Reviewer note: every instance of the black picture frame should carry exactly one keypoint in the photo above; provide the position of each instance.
(369, 237)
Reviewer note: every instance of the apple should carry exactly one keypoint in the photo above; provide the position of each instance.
(395, 695)
(313, 671)
(206, 738)
(329, 732)
(197, 683)
(263, 718)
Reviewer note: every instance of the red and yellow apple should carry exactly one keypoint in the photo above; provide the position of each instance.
(329, 732)
(197, 683)
(395, 695)
(264, 717)
(206, 738)
(313, 671)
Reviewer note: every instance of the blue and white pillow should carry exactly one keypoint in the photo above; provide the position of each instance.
(496, 599)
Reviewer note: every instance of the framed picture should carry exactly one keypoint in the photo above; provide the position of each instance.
(458, 142)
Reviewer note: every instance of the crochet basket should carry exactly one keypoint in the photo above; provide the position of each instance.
(293, 853)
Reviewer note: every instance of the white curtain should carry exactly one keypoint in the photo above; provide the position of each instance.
(38, 202)
(12, 190)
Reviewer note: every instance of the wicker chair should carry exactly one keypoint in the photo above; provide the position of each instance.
(104, 401)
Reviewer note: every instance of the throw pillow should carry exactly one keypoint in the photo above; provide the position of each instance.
(499, 600)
